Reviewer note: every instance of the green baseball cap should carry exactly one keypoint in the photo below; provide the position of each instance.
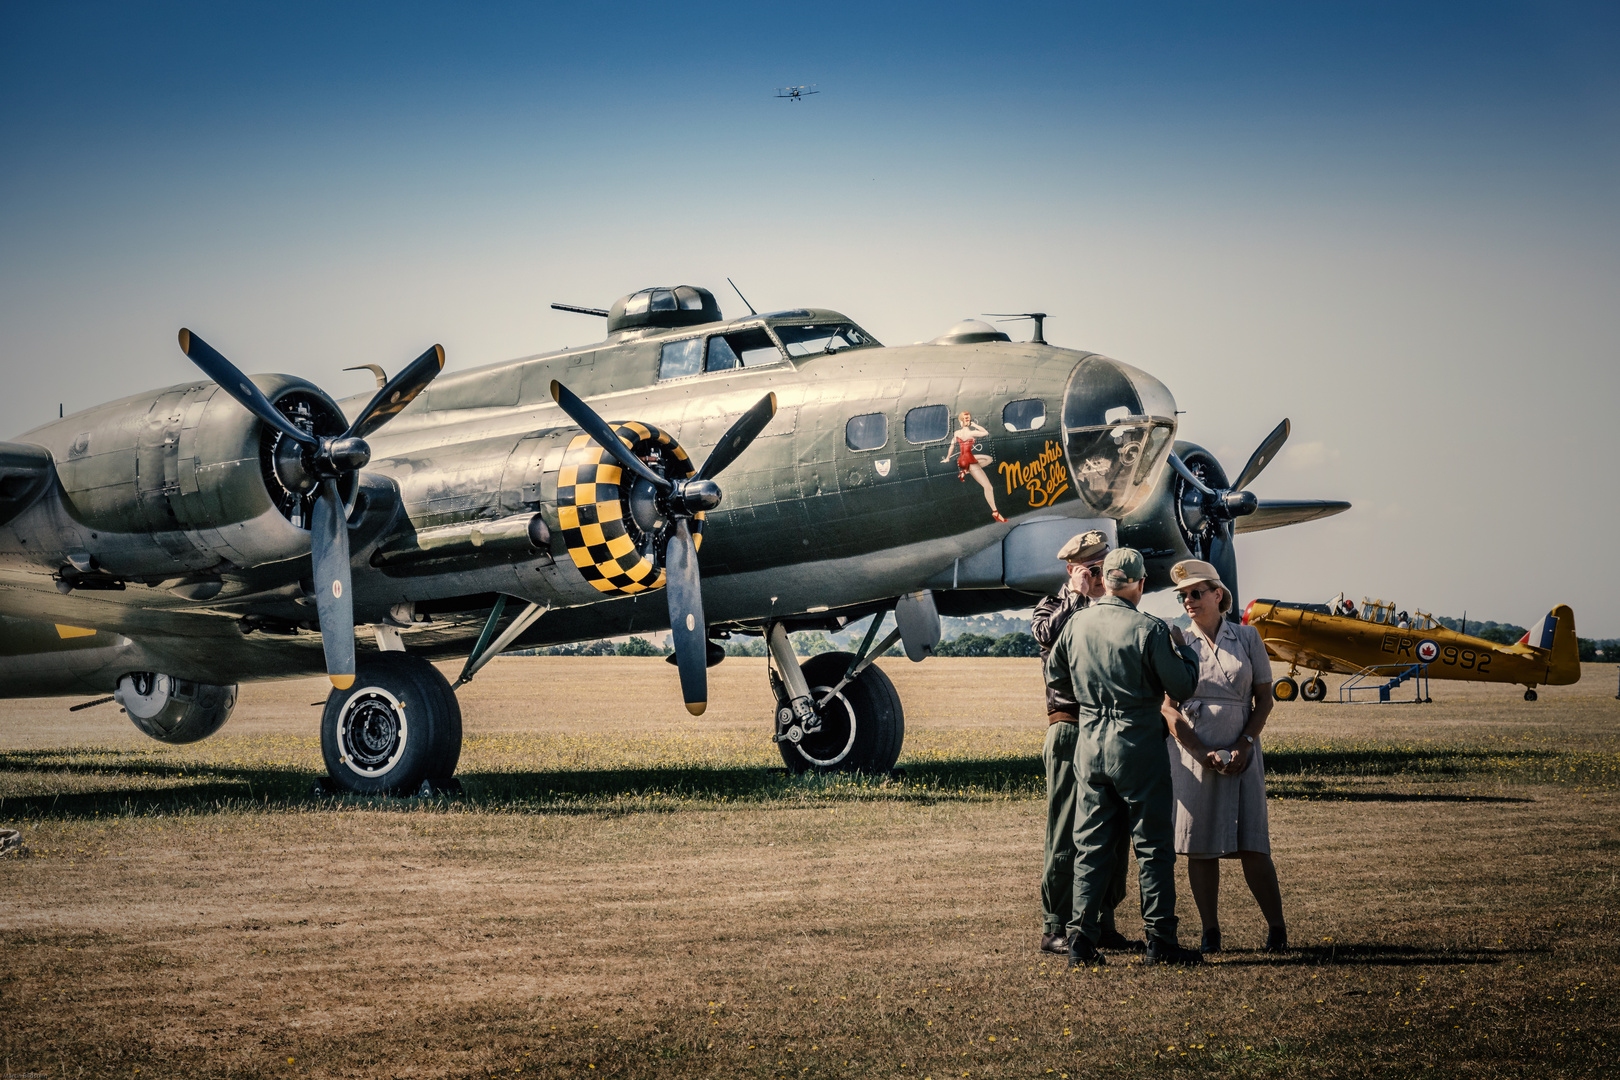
(1123, 566)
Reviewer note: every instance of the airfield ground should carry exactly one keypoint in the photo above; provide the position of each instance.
(626, 891)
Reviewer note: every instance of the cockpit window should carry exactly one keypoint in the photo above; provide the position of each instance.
(750, 348)
(681, 358)
(742, 348)
(820, 338)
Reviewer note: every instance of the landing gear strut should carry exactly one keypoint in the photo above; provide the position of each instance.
(836, 712)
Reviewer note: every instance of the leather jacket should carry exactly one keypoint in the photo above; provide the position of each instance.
(1050, 615)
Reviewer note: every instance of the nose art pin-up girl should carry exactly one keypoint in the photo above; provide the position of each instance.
(971, 463)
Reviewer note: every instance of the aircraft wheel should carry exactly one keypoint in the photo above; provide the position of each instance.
(1285, 689)
(862, 726)
(398, 725)
(1529, 695)
(1313, 690)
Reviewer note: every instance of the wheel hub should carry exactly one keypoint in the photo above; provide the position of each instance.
(372, 731)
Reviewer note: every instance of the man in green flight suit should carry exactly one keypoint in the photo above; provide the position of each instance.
(1117, 663)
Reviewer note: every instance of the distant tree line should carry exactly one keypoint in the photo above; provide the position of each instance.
(1015, 643)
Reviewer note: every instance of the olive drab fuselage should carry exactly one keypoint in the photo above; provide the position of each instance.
(169, 531)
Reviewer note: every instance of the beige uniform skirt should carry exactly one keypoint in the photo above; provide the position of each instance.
(1220, 815)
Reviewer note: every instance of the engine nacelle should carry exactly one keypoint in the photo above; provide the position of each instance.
(173, 710)
(176, 482)
(1169, 526)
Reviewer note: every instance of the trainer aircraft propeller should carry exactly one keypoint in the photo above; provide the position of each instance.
(168, 546)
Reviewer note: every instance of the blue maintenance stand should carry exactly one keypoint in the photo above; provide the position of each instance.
(1383, 679)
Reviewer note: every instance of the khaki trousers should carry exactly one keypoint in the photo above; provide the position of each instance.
(1124, 794)
(1062, 798)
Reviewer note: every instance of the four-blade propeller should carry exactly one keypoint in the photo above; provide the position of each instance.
(680, 501)
(326, 460)
(1212, 510)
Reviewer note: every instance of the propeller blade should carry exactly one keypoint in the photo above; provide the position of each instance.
(1262, 455)
(239, 386)
(736, 440)
(691, 634)
(1223, 557)
(398, 392)
(1188, 475)
(334, 603)
(597, 428)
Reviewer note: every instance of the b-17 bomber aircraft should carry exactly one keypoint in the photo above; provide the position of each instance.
(757, 476)
(1378, 641)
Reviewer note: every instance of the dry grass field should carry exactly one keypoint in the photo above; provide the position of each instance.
(626, 891)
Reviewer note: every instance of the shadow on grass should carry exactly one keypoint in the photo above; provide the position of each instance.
(136, 784)
(1386, 955)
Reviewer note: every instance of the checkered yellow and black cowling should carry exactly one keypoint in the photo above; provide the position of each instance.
(610, 551)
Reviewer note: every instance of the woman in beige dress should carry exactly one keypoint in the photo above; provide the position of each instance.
(1215, 761)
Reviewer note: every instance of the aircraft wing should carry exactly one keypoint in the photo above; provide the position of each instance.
(1275, 513)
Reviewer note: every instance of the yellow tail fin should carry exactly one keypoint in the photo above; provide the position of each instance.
(1565, 664)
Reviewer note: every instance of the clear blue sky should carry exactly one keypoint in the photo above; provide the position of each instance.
(1394, 223)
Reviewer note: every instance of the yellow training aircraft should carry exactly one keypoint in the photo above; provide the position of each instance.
(1378, 642)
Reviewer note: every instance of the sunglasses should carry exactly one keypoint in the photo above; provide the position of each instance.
(1091, 568)
(1194, 594)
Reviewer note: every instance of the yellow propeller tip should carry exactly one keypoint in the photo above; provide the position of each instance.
(696, 707)
(185, 341)
(440, 350)
(342, 682)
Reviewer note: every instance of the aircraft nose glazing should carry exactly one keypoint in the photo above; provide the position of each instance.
(1118, 427)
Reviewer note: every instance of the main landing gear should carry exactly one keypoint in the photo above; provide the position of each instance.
(399, 724)
(1530, 694)
(1288, 688)
(835, 712)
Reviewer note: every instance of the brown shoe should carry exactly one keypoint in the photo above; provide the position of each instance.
(1055, 943)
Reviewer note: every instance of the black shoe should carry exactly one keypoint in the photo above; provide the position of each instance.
(1113, 939)
(1058, 943)
(1083, 953)
(1165, 952)
(1277, 940)
(1211, 942)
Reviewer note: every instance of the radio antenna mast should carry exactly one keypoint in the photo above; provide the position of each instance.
(741, 297)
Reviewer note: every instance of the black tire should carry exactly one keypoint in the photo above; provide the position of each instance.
(399, 724)
(1285, 689)
(1314, 689)
(862, 727)
(1530, 695)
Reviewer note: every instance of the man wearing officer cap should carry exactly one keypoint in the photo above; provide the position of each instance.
(1117, 663)
(1084, 555)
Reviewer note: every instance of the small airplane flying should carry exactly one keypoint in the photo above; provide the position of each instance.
(165, 547)
(796, 93)
(1381, 641)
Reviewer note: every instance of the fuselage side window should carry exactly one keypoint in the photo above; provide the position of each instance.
(721, 355)
(1026, 415)
(867, 431)
(681, 358)
(926, 424)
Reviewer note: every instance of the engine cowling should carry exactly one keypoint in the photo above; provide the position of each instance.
(175, 482)
(1168, 526)
(174, 710)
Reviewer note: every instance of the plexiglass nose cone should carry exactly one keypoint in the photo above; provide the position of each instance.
(1118, 426)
